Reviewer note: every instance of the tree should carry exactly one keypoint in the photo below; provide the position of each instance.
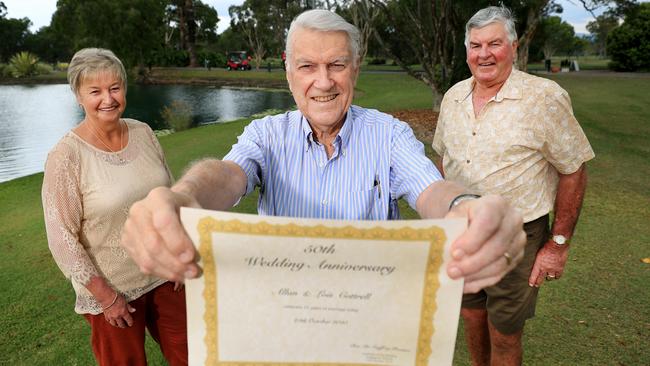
(207, 20)
(427, 33)
(49, 45)
(13, 33)
(530, 14)
(629, 44)
(187, 28)
(558, 37)
(243, 19)
(363, 15)
(600, 29)
(264, 23)
(133, 29)
(618, 7)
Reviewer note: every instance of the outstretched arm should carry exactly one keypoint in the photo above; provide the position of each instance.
(494, 229)
(153, 234)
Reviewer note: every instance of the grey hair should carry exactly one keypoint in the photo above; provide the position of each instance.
(324, 21)
(489, 15)
(92, 61)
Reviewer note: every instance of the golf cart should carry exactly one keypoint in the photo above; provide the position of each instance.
(238, 60)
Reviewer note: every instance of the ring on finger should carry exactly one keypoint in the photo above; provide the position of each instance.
(508, 258)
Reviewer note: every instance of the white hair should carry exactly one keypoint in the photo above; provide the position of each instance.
(489, 15)
(92, 61)
(324, 21)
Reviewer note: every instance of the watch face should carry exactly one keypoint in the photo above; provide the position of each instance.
(559, 239)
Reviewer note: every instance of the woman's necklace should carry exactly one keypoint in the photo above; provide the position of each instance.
(96, 134)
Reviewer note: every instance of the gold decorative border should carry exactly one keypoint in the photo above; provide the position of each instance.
(208, 225)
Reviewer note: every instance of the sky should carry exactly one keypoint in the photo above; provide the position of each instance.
(40, 12)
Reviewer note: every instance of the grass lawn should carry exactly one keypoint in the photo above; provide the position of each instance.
(598, 314)
(584, 62)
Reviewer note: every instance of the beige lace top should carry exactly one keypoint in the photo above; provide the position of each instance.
(86, 196)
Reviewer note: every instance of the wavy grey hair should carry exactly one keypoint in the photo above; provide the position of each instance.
(89, 62)
(489, 15)
(324, 21)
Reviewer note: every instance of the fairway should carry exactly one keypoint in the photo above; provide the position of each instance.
(598, 314)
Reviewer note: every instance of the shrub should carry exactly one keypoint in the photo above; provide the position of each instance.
(178, 116)
(169, 58)
(5, 71)
(216, 59)
(63, 66)
(23, 64)
(43, 68)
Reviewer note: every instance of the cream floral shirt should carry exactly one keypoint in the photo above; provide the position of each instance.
(523, 137)
(86, 197)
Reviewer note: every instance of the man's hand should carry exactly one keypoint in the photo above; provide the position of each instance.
(155, 239)
(492, 244)
(549, 263)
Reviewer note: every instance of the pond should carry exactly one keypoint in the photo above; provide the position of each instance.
(34, 117)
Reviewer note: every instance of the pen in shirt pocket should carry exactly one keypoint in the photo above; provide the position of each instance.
(378, 185)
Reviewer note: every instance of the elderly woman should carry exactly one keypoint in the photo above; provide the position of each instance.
(92, 176)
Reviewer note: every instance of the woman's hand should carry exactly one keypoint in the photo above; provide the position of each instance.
(178, 285)
(119, 313)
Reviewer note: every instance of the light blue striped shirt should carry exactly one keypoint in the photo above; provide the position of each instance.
(376, 161)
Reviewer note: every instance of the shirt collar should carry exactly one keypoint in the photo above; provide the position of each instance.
(511, 89)
(343, 135)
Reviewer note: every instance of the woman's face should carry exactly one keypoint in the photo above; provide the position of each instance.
(102, 97)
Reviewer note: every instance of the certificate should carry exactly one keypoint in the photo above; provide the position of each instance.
(287, 291)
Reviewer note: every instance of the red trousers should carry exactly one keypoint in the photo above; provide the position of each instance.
(162, 312)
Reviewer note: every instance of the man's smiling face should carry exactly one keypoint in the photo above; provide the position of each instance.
(321, 75)
(490, 54)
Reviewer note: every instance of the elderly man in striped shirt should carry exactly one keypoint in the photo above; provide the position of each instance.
(331, 160)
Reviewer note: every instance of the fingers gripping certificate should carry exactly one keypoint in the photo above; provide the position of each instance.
(286, 291)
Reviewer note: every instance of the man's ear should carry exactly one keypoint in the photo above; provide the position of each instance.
(357, 70)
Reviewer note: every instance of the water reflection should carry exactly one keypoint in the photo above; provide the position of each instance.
(34, 117)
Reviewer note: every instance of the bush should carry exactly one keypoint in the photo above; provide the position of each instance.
(178, 116)
(63, 66)
(169, 58)
(23, 64)
(4, 71)
(216, 59)
(43, 68)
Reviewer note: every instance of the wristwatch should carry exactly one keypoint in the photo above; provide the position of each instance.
(560, 240)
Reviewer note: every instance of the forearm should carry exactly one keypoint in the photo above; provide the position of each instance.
(439, 163)
(101, 290)
(568, 201)
(434, 201)
(213, 183)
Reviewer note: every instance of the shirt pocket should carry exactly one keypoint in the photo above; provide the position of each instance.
(361, 205)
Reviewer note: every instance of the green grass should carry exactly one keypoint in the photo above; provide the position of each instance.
(584, 62)
(598, 314)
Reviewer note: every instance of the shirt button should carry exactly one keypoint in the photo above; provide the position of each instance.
(473, 133)
(324, 202)
(467, 161)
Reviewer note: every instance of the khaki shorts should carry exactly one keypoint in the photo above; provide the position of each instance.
(512, 301)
